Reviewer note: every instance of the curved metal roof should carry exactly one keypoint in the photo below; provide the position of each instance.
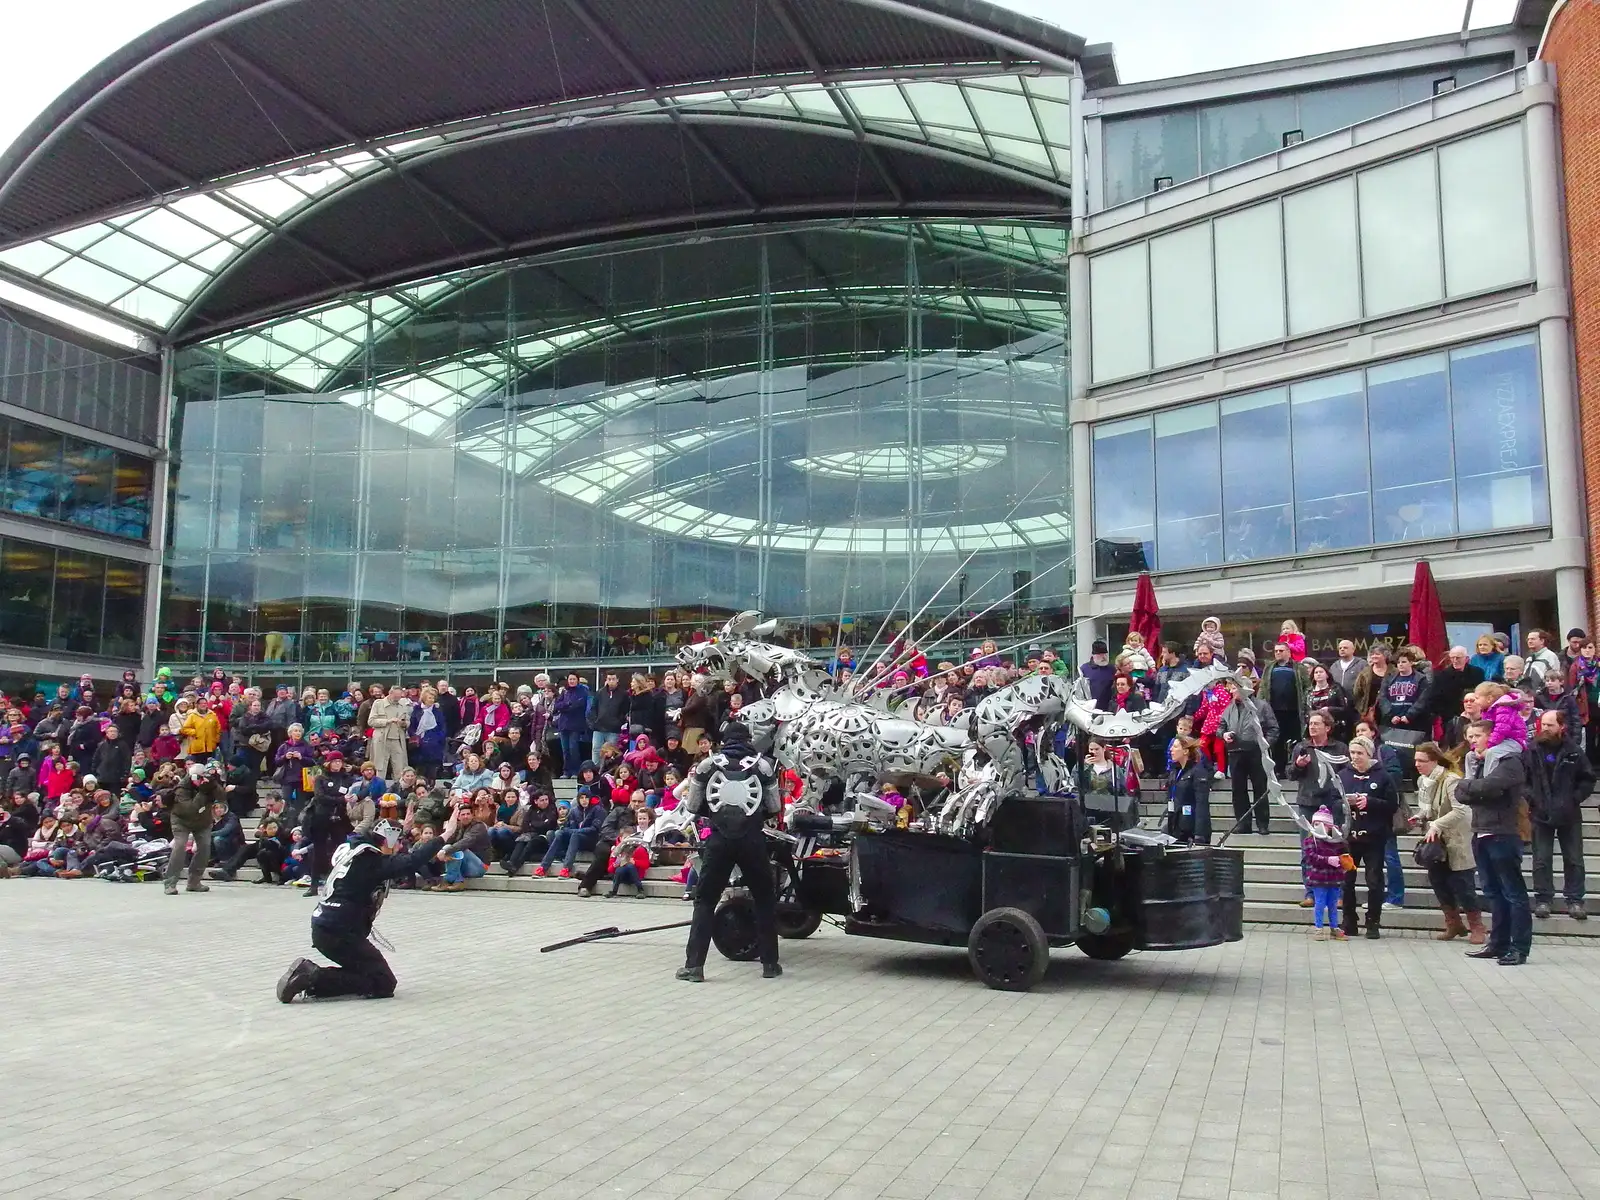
(251, 157)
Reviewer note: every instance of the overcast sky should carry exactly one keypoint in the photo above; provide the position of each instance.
(52, 44)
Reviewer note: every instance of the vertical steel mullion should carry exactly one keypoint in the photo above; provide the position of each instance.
(508, 477)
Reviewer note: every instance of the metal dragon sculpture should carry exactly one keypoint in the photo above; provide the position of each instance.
(828, 735)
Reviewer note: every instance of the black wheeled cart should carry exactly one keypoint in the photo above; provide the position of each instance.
(1043, 879)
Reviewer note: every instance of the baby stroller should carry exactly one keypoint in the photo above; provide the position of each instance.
(149, 861)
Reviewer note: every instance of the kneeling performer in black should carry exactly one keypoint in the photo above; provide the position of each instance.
(736, 790)
(342, 921)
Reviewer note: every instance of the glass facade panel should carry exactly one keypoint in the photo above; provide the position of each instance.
(61, 478)
(1182, 317)
(1348, 460)
(27, 586)
(1189, 495)
(1138, 150)
(77, 610)
(1499, 435)
(1249, 272)
(1257, 487)
(1413, 475)
(606, 451)
(1400, 235)
(1243, 129)
(1322, 257)
(1119, 286)
(1124, 497)
(1483, 183)
(1324, 109)
(1332, 499)
(33, 473)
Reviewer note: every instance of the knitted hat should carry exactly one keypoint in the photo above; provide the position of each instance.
(1322, 816)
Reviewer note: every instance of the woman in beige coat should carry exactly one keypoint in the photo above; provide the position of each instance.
(1450, 824)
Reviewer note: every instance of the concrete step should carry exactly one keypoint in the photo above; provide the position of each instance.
(1418, 897)
(1274, 913)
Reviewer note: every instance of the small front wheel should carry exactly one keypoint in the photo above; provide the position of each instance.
(796, 922)
(1008, 950)
(1105, 947)
(733, 929)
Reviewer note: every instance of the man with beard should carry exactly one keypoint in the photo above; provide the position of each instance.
(1560, 779)
(736, 790)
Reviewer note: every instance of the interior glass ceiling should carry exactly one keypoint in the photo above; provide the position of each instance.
(149, 264)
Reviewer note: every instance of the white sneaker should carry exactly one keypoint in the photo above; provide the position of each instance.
(1392, 907)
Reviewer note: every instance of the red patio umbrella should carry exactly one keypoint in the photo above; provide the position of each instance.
(1146, 619)
(1425, 627)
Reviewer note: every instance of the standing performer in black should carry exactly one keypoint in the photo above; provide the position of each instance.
(342, 921)
(736, 790)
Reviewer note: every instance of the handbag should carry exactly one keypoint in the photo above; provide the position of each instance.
(259, 742)
(1430, 854)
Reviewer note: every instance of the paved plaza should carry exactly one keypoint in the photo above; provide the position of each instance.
(144, 1054)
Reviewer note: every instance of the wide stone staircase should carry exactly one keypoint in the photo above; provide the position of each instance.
(1273, 889)
(1272, 872)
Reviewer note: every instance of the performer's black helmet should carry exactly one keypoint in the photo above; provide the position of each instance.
(736, 733)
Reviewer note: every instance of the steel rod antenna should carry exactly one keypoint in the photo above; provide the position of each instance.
(902, 658)
(911, 624)
(1006, 650)
(1035, 579)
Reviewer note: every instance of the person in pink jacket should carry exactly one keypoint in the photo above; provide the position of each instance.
(1289, 634)
(1503, 706)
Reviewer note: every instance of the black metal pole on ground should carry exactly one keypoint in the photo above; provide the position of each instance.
(606, 934)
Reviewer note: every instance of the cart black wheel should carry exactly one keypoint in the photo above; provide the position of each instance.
(1106, 947)
(797, 922)
(1008, 950)
(733, 930)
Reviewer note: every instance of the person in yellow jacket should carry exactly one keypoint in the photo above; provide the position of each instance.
(200, 731)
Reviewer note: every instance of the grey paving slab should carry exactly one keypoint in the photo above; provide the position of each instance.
(145, 1026)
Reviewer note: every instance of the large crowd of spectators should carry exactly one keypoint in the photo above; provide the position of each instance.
(89, 777)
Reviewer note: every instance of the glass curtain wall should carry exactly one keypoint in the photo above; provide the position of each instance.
(1422, 448)
(601, 454)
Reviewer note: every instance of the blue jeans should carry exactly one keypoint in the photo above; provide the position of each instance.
(597, 740)
(566, 844)
(463, 864)
(1499, 859)
(572, 747)
(1395, 893)
(1325, 909)
(502, 840)
(626, 873)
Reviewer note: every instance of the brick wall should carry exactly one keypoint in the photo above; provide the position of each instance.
(1573, 46)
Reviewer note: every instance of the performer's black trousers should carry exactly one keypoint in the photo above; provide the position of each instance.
(362, 971)
(717, 859)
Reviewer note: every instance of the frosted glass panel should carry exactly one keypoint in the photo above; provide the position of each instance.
(1319, 230)
(1119, 285)
(1483, 182)
(1180, 295)
(1249, 254)
(1138, 150)
(1242, 129)
(1400, 236)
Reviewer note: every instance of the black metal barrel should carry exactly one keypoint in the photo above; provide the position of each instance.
(1185, 897)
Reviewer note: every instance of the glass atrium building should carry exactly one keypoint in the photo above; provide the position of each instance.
(609, 323)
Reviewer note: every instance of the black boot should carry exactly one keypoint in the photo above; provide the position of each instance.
(690, 974)
(771, 970)
(297, 979)
(1487, 951)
